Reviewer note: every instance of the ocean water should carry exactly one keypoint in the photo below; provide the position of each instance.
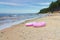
(7, 20)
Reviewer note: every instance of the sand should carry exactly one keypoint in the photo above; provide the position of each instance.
(20, 32)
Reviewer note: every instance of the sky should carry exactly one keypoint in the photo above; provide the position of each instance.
(23, 6)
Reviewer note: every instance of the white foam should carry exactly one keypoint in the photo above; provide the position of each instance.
(7, 25)
(15, 23)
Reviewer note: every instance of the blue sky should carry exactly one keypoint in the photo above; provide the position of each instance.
(23, 6)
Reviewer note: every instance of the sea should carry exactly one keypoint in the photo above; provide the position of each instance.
(7, 19)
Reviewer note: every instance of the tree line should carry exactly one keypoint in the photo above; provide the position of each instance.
(54, 6)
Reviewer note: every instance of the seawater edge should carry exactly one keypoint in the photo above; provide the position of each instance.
(18, 22)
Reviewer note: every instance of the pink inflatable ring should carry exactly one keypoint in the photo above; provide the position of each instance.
(36, 24)
(39, 24)
(30, 24)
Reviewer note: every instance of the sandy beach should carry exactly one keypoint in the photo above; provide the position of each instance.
(20, 32)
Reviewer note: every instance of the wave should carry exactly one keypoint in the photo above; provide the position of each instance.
(7, 25)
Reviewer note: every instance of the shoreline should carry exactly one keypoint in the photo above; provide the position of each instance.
(15, 23)
(19, 22)
(20, 32)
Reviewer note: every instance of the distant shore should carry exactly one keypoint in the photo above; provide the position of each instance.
(20, 32)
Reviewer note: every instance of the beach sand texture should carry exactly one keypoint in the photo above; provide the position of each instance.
(20, 32)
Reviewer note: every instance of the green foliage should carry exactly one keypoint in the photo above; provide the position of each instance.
(54, 6)
(58, 0)
(45, 10)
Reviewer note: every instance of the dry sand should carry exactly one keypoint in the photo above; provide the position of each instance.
(20, 32)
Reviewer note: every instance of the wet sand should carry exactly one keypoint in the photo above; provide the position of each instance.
(20, 32)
